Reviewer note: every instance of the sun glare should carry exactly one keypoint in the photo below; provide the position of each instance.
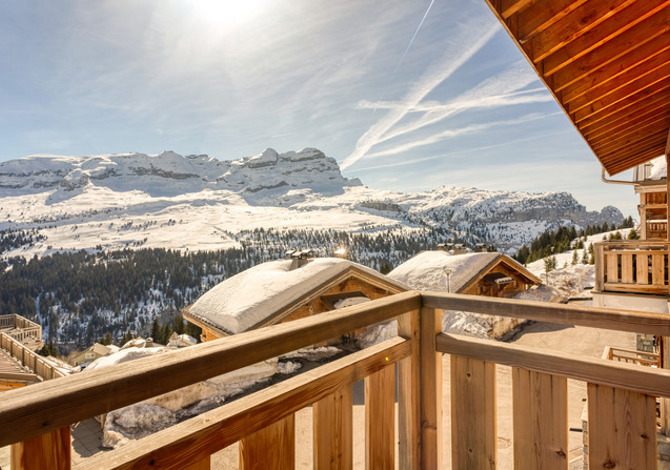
(226, 12)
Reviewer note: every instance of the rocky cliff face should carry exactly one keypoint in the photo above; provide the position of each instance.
(169, 174)
(297, 189)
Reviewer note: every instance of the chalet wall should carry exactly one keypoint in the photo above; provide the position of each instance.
(486, 289)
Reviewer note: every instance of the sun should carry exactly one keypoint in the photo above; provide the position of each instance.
(226, 13)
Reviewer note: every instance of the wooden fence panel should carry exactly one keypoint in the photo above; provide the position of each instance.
(473, 414)
(627, 268)
(612, 261)
(622, 428)
(380, 419)
(51, 450)
(271, 448)
(540, 404)
(333, 440)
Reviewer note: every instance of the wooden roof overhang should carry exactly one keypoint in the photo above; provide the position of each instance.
(607, 63)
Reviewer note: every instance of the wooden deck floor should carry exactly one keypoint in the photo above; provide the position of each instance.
(13, 374)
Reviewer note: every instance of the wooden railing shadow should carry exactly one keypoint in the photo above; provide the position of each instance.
(621, 397)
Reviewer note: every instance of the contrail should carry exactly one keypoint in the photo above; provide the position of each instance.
(408, 46)
(413, 37)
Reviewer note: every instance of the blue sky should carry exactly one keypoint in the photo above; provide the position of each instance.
(401, 107)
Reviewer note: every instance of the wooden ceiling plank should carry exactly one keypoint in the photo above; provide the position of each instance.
(653, 103)
(621, 161)
(638, 135)
(637, 99)
(631, 162)
(542, 14)
(612, 102)
(640, 82)
(609, 52)
(510, 7)
(658, 46)
(613, 132)
(573, 25)
(653, 142)
(605, 34)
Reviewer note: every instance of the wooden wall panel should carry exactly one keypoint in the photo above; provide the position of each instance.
(380, 419)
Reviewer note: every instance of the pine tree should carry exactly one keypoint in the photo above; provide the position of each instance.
(574, 257)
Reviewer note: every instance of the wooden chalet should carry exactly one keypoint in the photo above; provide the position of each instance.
(607, 64)
(285, 290)
(487, 274)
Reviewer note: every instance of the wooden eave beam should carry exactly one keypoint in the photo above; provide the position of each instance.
(633, 90)
(638, 160)
(615, 36)
(573, 26)
(651, 124)
(658, 45)
(628, 159)
(639, 99)
(646, 74)
(509, 7)
(639, 137)
(539, 16)
(611, 53)
(654, 104)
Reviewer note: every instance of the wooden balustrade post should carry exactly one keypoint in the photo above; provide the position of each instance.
(271, 448)
(409, 419)
(380, 419)
(51, 450)
(622, 428)
(333, 439)
(420, 392)
(599, 249)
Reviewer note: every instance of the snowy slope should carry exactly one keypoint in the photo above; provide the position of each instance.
(197, 202)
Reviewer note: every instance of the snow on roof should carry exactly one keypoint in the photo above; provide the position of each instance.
(659, 169)
(124, 355)
(250, 297)
(425, 271)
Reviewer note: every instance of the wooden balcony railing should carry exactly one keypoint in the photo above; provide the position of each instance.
(632, 357)
(29, 358)
(20, 328)
(621, 397)
(632, 266)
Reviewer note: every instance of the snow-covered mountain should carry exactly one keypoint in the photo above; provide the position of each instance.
(197, 202)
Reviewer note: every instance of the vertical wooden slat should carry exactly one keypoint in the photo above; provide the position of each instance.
(204, 464)
(431, 389)
(622, 428)
(657, 274)
(642, 268)
(272, 447)
(600, 266)
(612, 267)
(627, 268)
(51, 450)
(540, 404)
(409, 419)
(333, 431)
(473, 414)
(380, 419)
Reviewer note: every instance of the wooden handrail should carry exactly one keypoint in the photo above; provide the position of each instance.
(606, 318)
(598, 371)
(22, 411)
(173, 448)
(29, 358)
(52, 405)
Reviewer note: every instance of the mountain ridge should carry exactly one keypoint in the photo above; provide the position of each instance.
(90, 195)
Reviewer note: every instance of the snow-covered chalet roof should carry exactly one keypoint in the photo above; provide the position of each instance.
(271, 289)
(425, 271)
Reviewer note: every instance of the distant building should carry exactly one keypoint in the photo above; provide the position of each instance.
(488, 274)
(89, 355)
(285, 290)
